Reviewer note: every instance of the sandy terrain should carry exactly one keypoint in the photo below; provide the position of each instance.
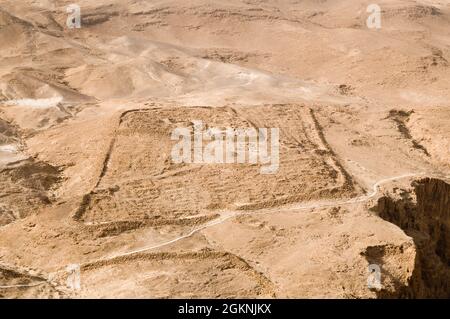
(87, 175)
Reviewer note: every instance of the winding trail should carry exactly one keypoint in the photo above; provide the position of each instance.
(230, 214)
(24, 285)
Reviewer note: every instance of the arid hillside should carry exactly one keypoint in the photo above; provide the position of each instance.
(93, 202)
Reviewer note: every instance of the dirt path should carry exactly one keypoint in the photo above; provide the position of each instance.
(230, 214)
(227, 215)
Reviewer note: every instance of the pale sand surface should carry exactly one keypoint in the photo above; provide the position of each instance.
(86, 175)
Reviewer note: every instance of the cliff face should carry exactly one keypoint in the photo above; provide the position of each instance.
(424, 216)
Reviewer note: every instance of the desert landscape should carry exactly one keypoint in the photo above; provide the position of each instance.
(93, 203)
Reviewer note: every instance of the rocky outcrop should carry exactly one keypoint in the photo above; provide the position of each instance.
(424, 215)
